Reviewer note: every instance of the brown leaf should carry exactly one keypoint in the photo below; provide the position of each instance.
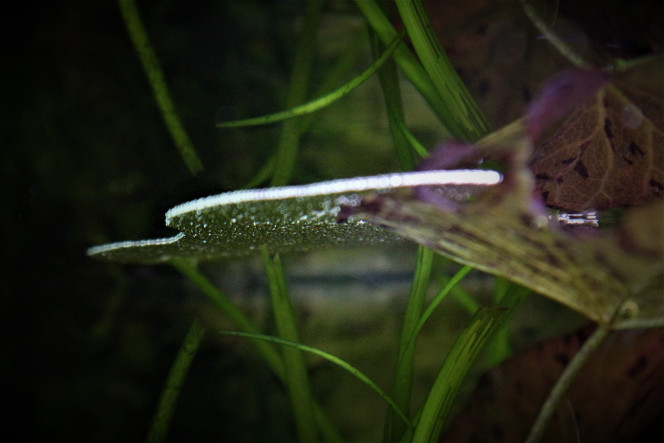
(505, 231)
(618, 396)
(609, 153)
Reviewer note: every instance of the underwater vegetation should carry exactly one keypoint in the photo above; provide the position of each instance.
(452, 158)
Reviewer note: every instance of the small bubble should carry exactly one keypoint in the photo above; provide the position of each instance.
(632, 116)
(629, 309)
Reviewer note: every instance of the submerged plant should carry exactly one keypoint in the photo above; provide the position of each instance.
(524, 203)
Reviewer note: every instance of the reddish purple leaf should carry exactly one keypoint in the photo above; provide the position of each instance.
(618, 396)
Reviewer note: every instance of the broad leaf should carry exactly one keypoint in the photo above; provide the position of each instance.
(616, 397)
(606, 274)
(609, 152)
(504, 231)
(613, 276)
(294, 218)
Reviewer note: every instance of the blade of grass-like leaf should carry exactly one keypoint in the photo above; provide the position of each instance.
(342, 68)
(389, 82)
(331, 358)
(295, 367)
(332, 78)
(241, 321)
(263, 174)
(439, 298)
(173, 385)
(415, 144)
(561, 46)
(235, 315)
(468, 346)
(403, 378)
(403, 57)
(146, 54)
(464, 299)
(463, 117)
(289, 138)
(320, 102)
(500, 348)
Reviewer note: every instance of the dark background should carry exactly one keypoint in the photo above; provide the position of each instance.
(86, 159)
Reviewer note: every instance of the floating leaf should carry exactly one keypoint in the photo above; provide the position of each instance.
(609, 152)
(293, 218)
(506, 230)
(609, 275)
(502, 231)
(616, 396)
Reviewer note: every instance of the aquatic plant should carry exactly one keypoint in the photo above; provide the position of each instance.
(524, 202)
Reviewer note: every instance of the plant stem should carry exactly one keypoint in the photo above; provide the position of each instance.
(564, 381)
(566, 50)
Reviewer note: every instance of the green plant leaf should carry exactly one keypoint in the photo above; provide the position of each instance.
(297, 380)
(606, 274)
(321, 102)
(292, 218)
(329, 357)
(464, 119)
(504, 232)
(150, 62)
(437, 407)
(176, 377)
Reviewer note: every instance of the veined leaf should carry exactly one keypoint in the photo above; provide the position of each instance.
(615, 397)
(609, 152)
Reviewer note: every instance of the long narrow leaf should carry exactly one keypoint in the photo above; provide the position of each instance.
(296, 377)
(467, 347)
(463, 117)
(331, 358)
(146, 54)
(173, 385)
(463, 353)
(241, 321)
(320, 102)
(404, 58)
(235, 315)
(291, 131)
(389, 82)
(403, 378)
(440, 297)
